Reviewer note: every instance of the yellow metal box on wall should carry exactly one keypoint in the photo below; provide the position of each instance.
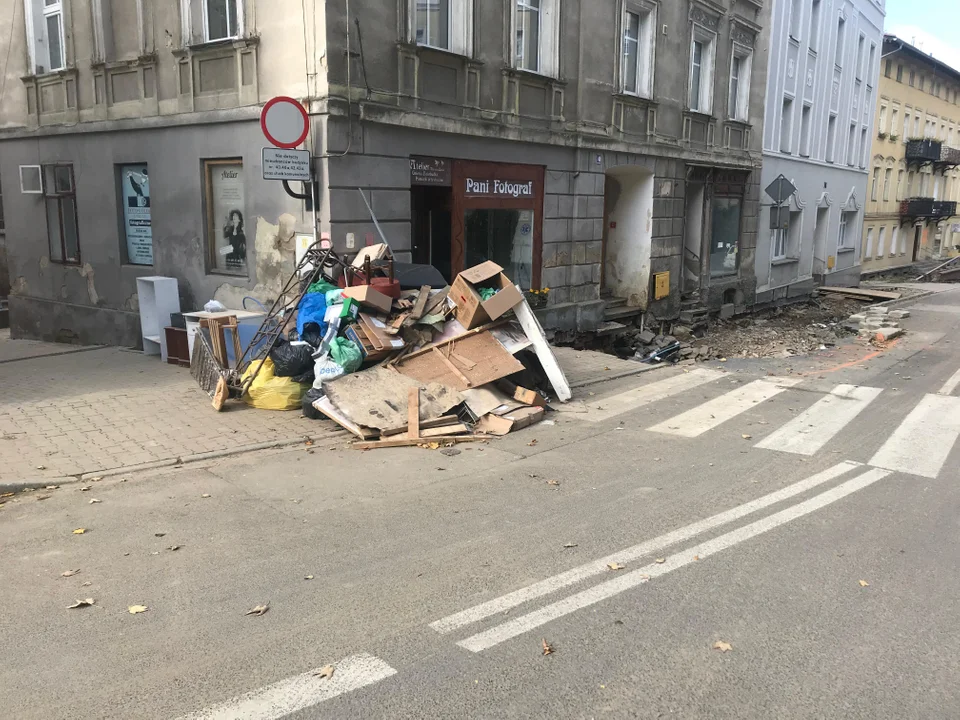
(661, 285)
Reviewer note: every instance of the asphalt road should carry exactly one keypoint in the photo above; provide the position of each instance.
(826, 560)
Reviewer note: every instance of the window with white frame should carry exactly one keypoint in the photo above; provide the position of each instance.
(536, 26)
(796, 11)
(845, 234)
(882, 123)
(702, 52)
(45, 31)
(442, 24)
(222, 19)
(638, 49)
(874, 183)
(868, 245)
(894, 239)
(894, 117)
(814, 40)
(881, 241)
(899, 195)
(738, 100)
(887, 177)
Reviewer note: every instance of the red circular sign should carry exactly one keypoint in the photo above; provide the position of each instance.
(284, 122)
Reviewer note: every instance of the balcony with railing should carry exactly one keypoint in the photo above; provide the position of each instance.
(931, 152)
(914, 209)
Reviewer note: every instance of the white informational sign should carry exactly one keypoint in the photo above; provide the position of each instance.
(280, 164)
(227, 193)
(135, 195)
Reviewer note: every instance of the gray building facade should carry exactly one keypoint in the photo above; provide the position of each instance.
(607, 151)
(821, 95)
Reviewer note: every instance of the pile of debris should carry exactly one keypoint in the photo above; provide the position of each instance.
(878, 323)
(393, 354)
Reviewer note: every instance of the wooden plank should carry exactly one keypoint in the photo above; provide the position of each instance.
(327, 408)
(413, 413)
(492, 363)
(424, 425)
(419, 307)
(406, 442)
(453, 368)
(434, 302)
(861, 293)
(522, 394)
(531, 326)
(459, 429)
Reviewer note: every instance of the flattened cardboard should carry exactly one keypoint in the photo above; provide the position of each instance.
(511, 422)
(472, 310)
(369, 297)
(380, 334)
(492, 362)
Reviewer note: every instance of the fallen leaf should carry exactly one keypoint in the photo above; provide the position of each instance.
(41, 467)
(308, 577)
(96, 479)
(547, 647)
(696, 557)
(174, 548)
(258, 610)
(555, 483)
(48, 487)
(531, 443)
(87, 584)
(205, 495)
(747, 437)
(137, 609)
(864, 583)
(325, 672)
(41, 498)
(722, 646)
(660, 561)
(570, 545)
(81, 604)
(85, 488)
(10, 494)
(615, 566)
(308, 443)
(79, 531)
(69, 573)
(95, 502)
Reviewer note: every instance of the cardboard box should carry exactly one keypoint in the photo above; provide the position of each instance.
(370, 297)
(348, 310)
(379, 334)
(472, 311)
(370, 353)
(512, 421)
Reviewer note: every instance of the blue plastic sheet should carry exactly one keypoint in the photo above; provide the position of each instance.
(312, 308)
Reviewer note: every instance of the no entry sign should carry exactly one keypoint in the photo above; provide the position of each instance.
(284, 122)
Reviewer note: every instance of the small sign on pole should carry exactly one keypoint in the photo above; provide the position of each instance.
(284, 122)
(780, 189)
(290, 165)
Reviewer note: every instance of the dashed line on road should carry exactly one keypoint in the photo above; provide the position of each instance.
(299, 692)
(513, 628)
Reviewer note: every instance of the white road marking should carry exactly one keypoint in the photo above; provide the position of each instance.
(922, 443)
(647, 394)
(715, 412)
(519, 626)
(299, 692)
(951, 384)
(807, 433)
(949, 309)
(598, 567)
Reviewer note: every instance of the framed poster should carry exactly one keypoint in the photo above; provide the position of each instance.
(226, 216)
(137, 227)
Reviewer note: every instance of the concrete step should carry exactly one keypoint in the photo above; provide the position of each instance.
(605, 329)
(616, 303)
(621, 313)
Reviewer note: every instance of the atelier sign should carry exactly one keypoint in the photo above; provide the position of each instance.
(430, 171)
(499, 188)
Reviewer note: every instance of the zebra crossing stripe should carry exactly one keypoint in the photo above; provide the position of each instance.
(807, 433)
(713, 413)
(922, 443)
(609, 407)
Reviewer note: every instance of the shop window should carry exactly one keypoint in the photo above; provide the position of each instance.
(503, 236)
(60, 200)
(137, 229)
(222, 19)
(638, 56)
(225, 213)
(725, 236)
(738, 103)
(536, 26)
(702, 52)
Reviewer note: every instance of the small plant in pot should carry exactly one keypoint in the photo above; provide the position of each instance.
(538, 298)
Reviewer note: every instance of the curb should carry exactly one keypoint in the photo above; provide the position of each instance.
(621, 374)
(32, 484)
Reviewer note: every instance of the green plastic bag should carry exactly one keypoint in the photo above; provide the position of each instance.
(346, 354)
(269, 392)
(321, 286)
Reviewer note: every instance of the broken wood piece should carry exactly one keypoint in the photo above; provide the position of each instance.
(419, 307)
(413, 413)
(466, 362)
(861, 293)
(444, 421)
(453, 368)
(326, 407)
(445, 431)
(221, 395)
(406, 442)
(434, 302)
(522, 394)
(506, 424)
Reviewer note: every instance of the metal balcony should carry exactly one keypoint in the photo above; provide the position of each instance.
(926, 209)
(931, 152)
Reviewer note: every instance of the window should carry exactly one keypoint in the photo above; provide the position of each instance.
(725, 236)
(863, 148)
(3, 226)
(844, 235)
(225, 212)
(433, 23)
(887, 68)
(61, 207)
(786, 126)
(222, 19)
(903, 243)
(894, 116)
(779, 242)
(841, 25)
(814, 40)
(882, 123)
(870, 60)
(899, 195)
(868, 246)
(893, 240)
(134, 185)
(638, 40)
(874, 183)
(738, 102)
(858, 70)
(537, 32)
(887, 178)
(923, 184)
(796, 10)
(906, 124)
(916, 125)
(881, 242)
(831, 138)
(923, 81)
(852, 145)
(910, 184)
(950, 136)
(913, 79)
(899, 73)
(44, 23)
(701, 71)
(805, 131)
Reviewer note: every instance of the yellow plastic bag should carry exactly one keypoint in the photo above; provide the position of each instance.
(269, 392)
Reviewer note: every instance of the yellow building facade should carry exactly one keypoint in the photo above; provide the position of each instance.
(914, 183)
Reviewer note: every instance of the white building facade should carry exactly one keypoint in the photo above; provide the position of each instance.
(818, 133)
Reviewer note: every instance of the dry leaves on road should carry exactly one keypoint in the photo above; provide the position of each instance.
(174, 548)
(864, 583)
(308, 577)
(79, 531)
(137, 609)
(205, 495)
(660, 561)
(325, 672)
(747, 437)
(555, 483)
(69, 573)
(531, 443)
(547, 647)
(81, 604)
(722, 646)
(258, 610)
(615, 566)
(85, 488)
(95, 502)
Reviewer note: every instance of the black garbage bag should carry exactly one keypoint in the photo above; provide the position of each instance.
(291, 360)
(312, 334)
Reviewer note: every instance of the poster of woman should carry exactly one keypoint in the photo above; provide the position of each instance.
(227, 221)
(233, 234)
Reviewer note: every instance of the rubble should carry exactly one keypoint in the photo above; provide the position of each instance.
(395, 366)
